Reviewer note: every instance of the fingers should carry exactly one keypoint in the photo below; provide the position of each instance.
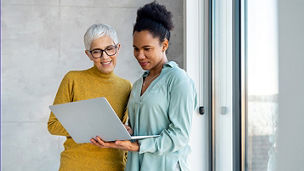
(95, 142)
(99, 140)
(129, 129)
(124, 145)
(103, 144)
(119, 143)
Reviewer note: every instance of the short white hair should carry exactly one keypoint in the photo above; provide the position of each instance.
(98, 30)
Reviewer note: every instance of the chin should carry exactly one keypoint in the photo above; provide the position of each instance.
(106, 71)
(148, 66)
(145, 68)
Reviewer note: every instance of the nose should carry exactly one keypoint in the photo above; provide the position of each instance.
(140, 55)
(104, 55)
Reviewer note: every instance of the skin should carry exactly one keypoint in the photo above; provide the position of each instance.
(151, 55)
(149, 51)
(105, 64)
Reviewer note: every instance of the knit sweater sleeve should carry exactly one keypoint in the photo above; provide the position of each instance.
(64, 95)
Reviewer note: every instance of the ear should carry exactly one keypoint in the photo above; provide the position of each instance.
(165, 45)
(88, 54)
(118, 47)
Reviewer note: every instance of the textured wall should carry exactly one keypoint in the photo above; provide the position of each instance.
(41, 41)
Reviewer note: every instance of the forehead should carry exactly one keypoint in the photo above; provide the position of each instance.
(143, 38)
(102, 42)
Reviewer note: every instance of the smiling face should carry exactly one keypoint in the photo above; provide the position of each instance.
(106, 63)
(148, 50)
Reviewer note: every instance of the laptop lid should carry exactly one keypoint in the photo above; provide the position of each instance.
(86, 119)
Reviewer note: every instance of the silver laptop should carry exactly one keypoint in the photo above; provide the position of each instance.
(86, 119)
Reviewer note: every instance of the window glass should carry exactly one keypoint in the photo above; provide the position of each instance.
(262, 84)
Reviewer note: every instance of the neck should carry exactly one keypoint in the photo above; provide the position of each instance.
(97, 72)
(157, 69)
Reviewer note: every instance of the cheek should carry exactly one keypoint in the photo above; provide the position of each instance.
(114, 59)
(135, 53)
(150, 54)
(96, 61)
(155, 55)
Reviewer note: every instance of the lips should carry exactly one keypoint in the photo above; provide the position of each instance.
(106, 62)
(143, 64)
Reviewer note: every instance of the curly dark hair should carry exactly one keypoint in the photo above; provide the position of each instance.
(155, 18)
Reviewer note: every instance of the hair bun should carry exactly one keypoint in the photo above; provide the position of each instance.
(155, 12)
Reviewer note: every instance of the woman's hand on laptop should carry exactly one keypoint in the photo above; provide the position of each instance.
(129, 129)
(123, 145)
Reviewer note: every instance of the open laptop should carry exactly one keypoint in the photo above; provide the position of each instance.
(86, 119)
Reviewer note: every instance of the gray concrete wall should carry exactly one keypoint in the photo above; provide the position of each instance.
(41, 41)
(291, 84)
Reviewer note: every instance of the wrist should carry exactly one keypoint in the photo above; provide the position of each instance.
(135, 146)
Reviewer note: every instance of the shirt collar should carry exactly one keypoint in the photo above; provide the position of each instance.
(171, 64)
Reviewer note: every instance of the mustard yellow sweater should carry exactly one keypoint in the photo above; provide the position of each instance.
(82, 85)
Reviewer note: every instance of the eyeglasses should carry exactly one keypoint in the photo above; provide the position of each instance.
(110, 51)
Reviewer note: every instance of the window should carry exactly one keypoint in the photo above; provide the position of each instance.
(262, 84)
(232, 56)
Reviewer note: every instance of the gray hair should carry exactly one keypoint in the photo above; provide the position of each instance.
(98, 30)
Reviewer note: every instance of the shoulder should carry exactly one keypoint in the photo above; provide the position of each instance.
(178, 78)
(176, 74)
(72, 75)
(123, 82)
(180, 83)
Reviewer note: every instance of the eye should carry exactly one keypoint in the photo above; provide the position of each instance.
(95, 51)
(147, 49)
(136, 49)
(110, 48)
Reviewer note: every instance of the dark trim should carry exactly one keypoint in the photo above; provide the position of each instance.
(237, 93)
(244, 80)
(1, 83)
(210, 87)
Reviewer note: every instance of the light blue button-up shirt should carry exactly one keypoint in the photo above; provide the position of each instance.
(165, 109)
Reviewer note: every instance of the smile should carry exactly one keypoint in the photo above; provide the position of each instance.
(106, 62)
(143, 63)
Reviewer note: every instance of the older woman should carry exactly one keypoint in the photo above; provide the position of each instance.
(162, 101)
(102, 48)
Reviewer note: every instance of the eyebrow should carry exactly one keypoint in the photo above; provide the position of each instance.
(145, 46)
(104, 48)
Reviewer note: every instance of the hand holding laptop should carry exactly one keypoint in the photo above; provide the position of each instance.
(123, 145)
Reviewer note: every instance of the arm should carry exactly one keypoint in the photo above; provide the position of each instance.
(181, 107)
(64, 95)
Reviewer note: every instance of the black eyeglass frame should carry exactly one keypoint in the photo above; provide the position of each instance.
(104, 51)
